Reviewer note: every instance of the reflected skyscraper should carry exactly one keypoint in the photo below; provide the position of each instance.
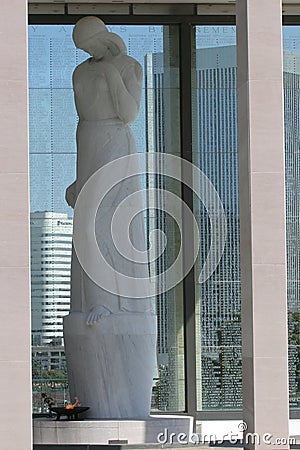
(215, 152)
(51, 246)
(292, 171)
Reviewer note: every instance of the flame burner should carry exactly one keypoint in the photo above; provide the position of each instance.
(70, 411)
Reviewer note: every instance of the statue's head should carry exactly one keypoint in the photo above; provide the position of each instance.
(91, 35)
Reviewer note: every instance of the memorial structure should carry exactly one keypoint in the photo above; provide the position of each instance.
(262, 211)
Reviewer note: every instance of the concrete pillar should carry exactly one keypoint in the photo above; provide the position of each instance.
(15, 355)
(262, 215)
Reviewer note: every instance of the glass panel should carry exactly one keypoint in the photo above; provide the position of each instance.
(53, 121)
(218, 328)
(291, 79)
(163, 136)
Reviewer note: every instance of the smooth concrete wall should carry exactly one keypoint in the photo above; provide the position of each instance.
(262, 215)
(15, 382)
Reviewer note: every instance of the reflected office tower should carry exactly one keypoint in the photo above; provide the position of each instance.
(218, 300)
(51, 247)
(292, 168)
(215, 152)
(163, 136)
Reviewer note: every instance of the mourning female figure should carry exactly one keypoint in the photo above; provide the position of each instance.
(109, 338)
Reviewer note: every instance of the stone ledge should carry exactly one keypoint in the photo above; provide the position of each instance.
(104, 432)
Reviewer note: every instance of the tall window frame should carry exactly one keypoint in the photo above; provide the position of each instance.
(186, 24)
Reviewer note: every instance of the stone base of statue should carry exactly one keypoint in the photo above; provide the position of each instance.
(111, 364)
(157, 430)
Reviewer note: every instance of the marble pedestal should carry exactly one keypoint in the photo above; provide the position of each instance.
(105, 432)
(111, 364)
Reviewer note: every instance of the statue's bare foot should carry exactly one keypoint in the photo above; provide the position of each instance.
(96, 314)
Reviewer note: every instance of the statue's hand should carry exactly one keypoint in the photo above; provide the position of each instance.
(96, 314)
(71, 195)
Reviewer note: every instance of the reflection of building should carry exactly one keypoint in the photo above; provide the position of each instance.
(292, 171)
(215, 153)
(51, 246)
(47, 358)
(162, 130)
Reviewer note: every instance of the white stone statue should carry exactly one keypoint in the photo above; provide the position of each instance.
(110, 340)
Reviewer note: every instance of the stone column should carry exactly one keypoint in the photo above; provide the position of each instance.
(15, 354)
(262, 216)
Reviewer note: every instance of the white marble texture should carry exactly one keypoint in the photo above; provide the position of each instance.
(49, 431)
(107, 90)
(110, 339)
(110, 365)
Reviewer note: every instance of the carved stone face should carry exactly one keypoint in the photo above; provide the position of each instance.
(96, 46)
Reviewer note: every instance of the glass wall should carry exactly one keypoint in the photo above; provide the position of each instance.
(162, 84)
(291, 77)
(215, 152)
(52, 168)
(53, 121)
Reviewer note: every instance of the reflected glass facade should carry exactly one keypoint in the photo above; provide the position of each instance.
(291, 60)
(53, 121)
(215, 152)
(52, 59)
